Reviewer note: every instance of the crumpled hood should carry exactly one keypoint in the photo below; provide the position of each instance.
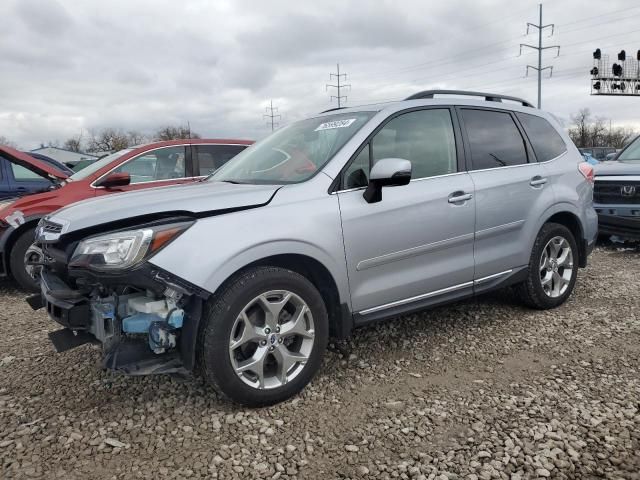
(616, 168)
(197, 199)
(30, 163)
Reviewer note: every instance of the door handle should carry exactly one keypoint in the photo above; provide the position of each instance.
(537, 181)
(458, 197)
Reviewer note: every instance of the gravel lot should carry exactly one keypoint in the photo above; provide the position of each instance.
(482, 389)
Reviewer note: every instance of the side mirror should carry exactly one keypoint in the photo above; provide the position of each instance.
(388, 172)
(118, 179)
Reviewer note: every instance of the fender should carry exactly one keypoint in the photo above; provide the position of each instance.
(561, 207)
(270, 248)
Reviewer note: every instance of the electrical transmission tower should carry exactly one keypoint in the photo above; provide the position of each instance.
(339, 86)
(540, 48)
(272, 115)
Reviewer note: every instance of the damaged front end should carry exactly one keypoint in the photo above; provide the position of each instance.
(101, 289)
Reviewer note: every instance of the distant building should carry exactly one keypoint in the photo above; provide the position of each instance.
(65, 156)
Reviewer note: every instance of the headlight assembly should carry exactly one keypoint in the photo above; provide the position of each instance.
(123, 250)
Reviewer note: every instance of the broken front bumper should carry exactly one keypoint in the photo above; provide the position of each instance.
(140, 332)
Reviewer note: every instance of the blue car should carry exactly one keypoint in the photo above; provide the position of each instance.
(17, 180)
(589, 158)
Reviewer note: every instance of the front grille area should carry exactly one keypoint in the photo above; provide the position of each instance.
(51, 227)
(616, 192)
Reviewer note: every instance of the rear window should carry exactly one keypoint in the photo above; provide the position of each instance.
(494, 139)
(546, 142)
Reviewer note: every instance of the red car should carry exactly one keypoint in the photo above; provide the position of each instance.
(152, 165)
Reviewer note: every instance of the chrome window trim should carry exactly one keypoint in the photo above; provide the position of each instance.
(412, 180)
(93, 184)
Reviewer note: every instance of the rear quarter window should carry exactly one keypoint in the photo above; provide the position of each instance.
(546, 142)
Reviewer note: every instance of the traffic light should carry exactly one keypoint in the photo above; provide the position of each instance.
(622, 56)
(596, 86)
(598, 55)
(594, 71)
(617, 70)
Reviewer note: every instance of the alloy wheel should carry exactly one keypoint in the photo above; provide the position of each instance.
(271, 339)
(556, 266)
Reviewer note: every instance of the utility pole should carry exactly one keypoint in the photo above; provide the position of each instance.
(338, 85)
(540, 48)
(272, 116)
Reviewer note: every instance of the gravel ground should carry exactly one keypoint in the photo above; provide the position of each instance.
(478, 390)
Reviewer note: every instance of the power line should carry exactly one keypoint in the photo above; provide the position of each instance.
(271, 115)
(338, 76)
(539, 48)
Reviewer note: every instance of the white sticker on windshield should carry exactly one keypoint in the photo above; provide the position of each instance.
(336, 124)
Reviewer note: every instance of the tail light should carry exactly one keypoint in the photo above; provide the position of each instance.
(586, 170)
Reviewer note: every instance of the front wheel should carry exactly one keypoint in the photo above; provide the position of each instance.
(19, 255)
(264, 336)
(553, 268)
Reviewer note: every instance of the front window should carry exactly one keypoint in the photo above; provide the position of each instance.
(631, 153)
(294, 153)
(161, 164)
(97, 165)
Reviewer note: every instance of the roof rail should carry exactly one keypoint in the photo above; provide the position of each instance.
(489, 97)
(333, 109)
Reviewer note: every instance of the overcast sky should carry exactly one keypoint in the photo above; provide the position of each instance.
(68, 66)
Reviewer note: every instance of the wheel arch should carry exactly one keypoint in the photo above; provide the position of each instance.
(11, 239)
(340, 321)
(570, 219)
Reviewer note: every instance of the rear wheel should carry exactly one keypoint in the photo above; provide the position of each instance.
(19, 255)
(553, 268)
(264, 336)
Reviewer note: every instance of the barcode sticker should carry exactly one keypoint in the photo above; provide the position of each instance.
(336, 124)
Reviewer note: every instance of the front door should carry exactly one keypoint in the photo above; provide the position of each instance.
(416, 245)
(155, 168)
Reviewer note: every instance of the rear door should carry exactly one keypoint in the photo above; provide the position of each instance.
(509, 186)
(416, 245)
(207, 158)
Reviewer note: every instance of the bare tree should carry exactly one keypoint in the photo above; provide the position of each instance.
(579, 133)
(136, 138)
(74, 144)
(175, 133)
(107, 140)
(589, 132)
(5, 141)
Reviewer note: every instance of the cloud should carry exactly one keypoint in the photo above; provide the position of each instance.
(69, 65)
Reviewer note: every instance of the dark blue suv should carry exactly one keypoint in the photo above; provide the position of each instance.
(16, 180)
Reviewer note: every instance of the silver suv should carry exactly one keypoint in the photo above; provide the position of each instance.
(333, 222)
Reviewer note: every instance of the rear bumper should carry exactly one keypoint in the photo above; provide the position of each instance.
(626, 227)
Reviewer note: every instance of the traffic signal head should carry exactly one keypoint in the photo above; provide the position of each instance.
(617, 70)
(622, 56)
(597, 54)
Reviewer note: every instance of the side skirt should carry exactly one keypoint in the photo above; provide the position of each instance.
(493, 282)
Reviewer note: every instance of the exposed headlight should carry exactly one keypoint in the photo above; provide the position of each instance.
(122, 250)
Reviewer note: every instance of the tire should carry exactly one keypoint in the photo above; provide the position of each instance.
(16, 261)
(225, 347)
(543, 294)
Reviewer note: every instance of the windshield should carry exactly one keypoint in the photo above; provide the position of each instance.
(294, 153)
(631, 153)
(97, 165)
